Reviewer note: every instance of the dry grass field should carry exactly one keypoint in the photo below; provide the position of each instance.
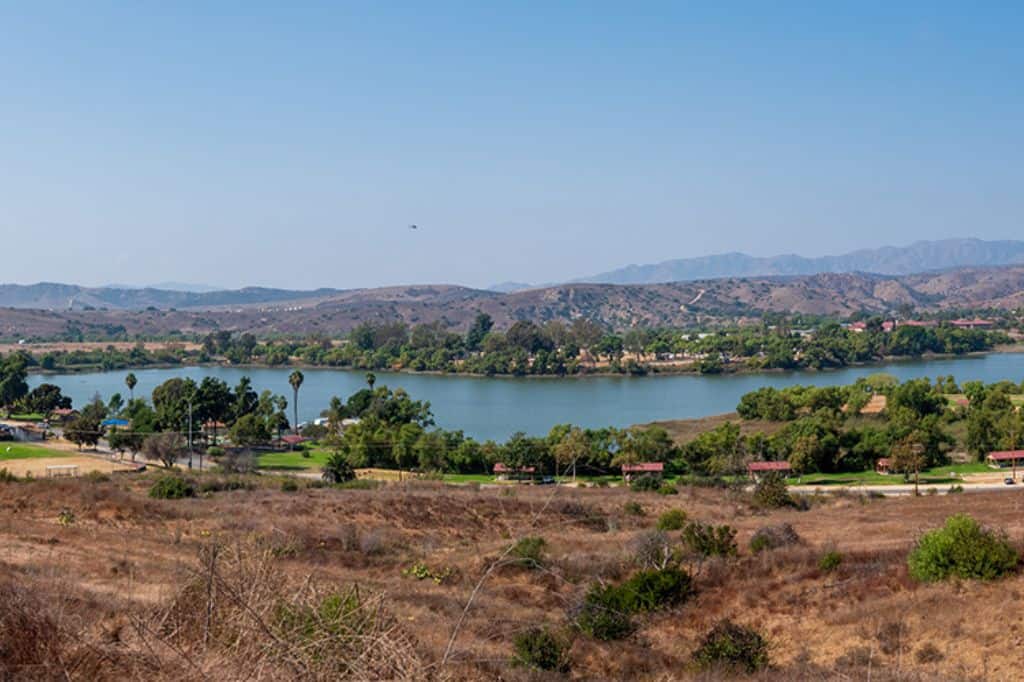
(99, 581)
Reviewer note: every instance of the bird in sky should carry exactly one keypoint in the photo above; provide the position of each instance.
(414, 227)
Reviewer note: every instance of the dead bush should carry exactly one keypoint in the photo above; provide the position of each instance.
(238, 612)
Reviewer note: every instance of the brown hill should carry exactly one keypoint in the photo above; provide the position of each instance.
(677, 304)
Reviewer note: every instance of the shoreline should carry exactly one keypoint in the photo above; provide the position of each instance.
(653, 373)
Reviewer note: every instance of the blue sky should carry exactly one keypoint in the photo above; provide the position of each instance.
(290, 144)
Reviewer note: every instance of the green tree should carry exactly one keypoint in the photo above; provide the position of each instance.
(131, 382)
(295, 379)
(13, 373)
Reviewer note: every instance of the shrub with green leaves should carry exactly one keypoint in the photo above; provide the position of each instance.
(830, 561)
(673, 519)
(668, 489)
(645, 484)
(289, 485)
(654, 590)
(962, 549)
(603, 615)
(771, 492)
(337, 468)
(732, 646)
(172, 488)
(541, 649)
(528, 552)
(606, 609)
(708, 540)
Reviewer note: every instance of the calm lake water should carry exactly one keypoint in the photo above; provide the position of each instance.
(496, 408)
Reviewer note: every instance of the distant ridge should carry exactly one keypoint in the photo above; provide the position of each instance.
(922, 256)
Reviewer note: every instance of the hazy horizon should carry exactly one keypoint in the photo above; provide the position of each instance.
(292, 147)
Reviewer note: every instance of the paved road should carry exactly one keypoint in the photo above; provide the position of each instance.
(903, 490)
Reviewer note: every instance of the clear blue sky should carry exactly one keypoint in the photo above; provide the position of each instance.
(290, 144)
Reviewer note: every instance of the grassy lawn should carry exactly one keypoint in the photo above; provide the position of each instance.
(9, 450)
(937, 476)
(27, 417)
(293, 461)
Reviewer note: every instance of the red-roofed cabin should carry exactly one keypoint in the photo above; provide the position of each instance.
(883, 466)
(504, 472)
(1004, 458)
(976, 323)
(63, 413)
(652, 469)
(291, 440)
(757, 469)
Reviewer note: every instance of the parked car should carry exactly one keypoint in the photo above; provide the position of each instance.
(1009, 481)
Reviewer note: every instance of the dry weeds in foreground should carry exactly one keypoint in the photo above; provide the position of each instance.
(317, 585)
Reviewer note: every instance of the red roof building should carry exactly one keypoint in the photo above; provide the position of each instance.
(643, 468)
(1004, 457)
(502, 469)
(976, 323)
(293, 439)
(756, 469)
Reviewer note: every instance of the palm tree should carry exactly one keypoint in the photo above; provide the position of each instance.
(130, 381)
(371, 379)
(296, 379)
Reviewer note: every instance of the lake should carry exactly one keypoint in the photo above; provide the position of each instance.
(498, 407)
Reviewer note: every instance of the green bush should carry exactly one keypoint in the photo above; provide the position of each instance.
(606, 610)
(708, 540)
(337, 469)
(830, 561)
(673, 519)
(645, 484)
(214, 451)
(528, 552)
(541, 649)
(771, 492)
(961, 549)
(654, 590)
(603, 616)
(668, 489)
(955, 489)
(7, 477)
(172, 488)
(729, 645)
(289, 485)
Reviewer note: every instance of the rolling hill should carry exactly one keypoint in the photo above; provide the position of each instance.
(678, 304)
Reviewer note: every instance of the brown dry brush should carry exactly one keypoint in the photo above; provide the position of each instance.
(237, 615)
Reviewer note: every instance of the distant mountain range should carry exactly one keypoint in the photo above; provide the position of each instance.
(922, 256)
(273, 312)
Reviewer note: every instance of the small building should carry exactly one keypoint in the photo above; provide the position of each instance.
(652, 469)
(975, 323)
(293, 440)
(883, 466)
(1005, 458)
(758, 469)
(63, 414)
(503, 472)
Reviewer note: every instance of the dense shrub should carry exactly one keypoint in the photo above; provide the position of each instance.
(289, 485)
(217, 484)
(645, 484)
(172, 488)
(729, 645)
(214, 451)
(653, 590)
(528, 552)
(602, 615)
(7, 477)
(673, 519)
(773, 537)
(771, 492)
(337, 469)
(668, 489)
(830, 561)
(708, 540)
(962, 549)
(606, 609)
(542, 649)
